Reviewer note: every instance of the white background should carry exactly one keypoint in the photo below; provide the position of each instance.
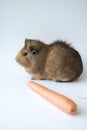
(46, 20)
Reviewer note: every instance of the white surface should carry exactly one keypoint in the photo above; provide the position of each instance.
(47, 20)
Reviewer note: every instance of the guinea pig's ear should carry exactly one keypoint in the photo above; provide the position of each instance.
(33, 50)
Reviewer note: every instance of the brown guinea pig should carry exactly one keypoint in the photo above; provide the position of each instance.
(57, 61)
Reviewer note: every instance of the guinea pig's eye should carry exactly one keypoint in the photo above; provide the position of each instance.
(25, 53)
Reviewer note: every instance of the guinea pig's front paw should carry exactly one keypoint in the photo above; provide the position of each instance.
(39, 78)
(33, 78)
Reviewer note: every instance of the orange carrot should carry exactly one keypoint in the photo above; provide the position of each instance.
(60, 101)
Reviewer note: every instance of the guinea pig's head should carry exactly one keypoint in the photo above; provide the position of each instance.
(29, 55)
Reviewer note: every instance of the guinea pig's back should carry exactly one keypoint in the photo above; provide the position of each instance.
(63, 59)
(76, 61)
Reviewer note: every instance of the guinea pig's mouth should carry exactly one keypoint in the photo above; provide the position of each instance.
(20, 61)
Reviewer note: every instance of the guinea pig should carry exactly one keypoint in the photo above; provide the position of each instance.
(57, 61)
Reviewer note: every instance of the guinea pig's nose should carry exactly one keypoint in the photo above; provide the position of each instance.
(25, 53)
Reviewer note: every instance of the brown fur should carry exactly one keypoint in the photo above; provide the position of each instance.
(57, 61)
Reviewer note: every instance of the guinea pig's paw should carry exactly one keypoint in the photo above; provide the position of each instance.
(33, 78)
(38, 78)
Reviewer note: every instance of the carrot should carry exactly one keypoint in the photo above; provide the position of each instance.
(60, 101)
